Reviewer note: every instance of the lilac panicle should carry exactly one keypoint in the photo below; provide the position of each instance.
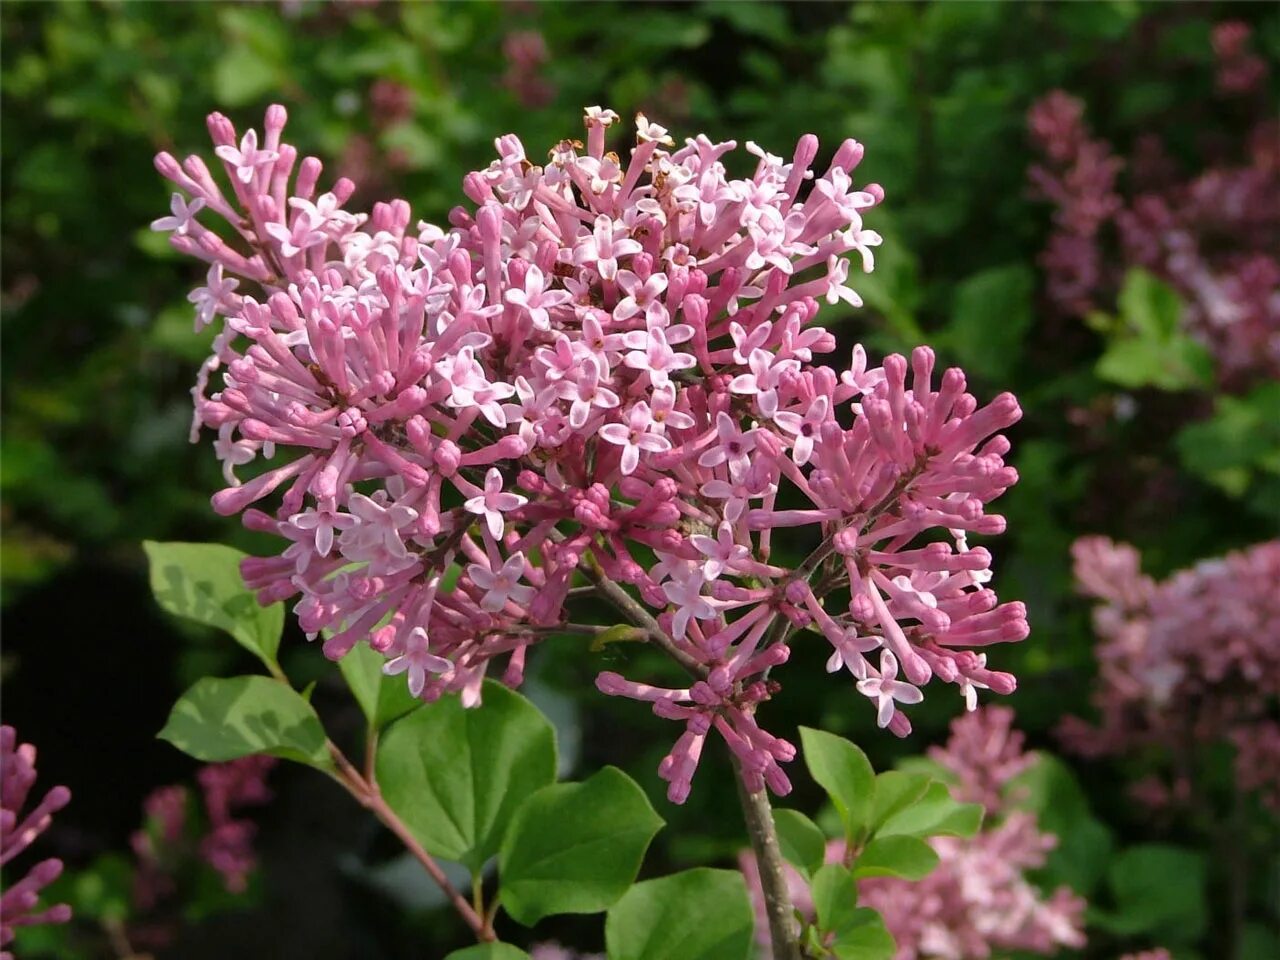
(601, 367)
(1213, 236)
(1191, 659)
(18, 903)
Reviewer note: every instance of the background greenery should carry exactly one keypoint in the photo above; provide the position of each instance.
(98, 356)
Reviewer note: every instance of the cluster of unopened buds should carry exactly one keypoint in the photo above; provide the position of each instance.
(20, 826)
(601, 377)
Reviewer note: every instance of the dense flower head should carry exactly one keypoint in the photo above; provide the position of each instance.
(603, 373)
(1191, 659)
(19, 827)
(978, 901)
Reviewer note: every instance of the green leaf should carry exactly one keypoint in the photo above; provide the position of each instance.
(835, 898)
(803, 843)
(699, 914)
(895, 791)
(1150, 306)
(1179, 363)
(991, 316)
(1158, 889)
(934, 814)
(241, 76)
(381, 698)
(221, 719)
(906, 857)
(1152, 350)
(865, 938)
(844, 772)
(575, 847)
(489, 951)
(104, 889)
(457, 776)
(201, 582)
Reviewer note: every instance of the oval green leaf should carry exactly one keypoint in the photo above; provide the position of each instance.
(575, 847)
(456, 776)
(222, 719)
(802, 841)
(844, 772)
(895, 791)
(934, 814)
(699, 914)
(906, 857)
(201, 582)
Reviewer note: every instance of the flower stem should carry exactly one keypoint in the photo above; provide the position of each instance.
(784, 931)
(370, 797)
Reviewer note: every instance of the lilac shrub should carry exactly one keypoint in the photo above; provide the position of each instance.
(601, 372)
(1191, 660)
(1212, 236)
(18, 829)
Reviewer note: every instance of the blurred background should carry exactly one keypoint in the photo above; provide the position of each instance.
(1082, 206)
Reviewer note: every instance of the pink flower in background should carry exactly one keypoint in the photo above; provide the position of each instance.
(978, 901)
(1193, 659)
(1211, 235)
(526, 54)
(630, 345)
(19, 827)
(169, 839)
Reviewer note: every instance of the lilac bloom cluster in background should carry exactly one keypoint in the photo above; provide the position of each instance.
(601, 369)
(1191, 660)
(19, 827)
(1212, 236)
(226, 843)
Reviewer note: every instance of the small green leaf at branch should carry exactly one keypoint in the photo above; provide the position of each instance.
(222, 719)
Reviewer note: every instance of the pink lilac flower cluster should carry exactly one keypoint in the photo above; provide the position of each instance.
(164, 843)
(603, 369)
(1194, 659)
(1213, 236)
(18, 902)
(977, 902)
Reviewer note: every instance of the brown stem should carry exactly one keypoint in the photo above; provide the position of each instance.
(369, 796)
(784, 931)
(638, 616)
